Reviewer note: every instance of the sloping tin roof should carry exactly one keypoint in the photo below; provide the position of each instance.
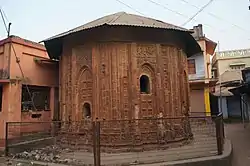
(224, 91)
(125, 19)
(230, 76)
(227, 79)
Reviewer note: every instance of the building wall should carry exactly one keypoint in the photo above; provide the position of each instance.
(35, 74)
(107, 75)
(234, 106)
(224, 64)
(4, 61)
(206, 62)
(199, 67)
(223, 59)
(203, 67)
(10, 105)
(221, 63)
(203, 63)
(1, 57)
(197, 101)
(222, 104)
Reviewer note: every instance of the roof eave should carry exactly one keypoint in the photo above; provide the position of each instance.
(192, 45)
(62, 36)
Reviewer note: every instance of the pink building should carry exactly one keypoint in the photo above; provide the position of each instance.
(40, 76)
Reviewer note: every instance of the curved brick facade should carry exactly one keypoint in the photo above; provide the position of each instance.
(107, 76)
(123, 73)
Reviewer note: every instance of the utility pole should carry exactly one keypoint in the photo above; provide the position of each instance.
(220, 102)
(9, 29)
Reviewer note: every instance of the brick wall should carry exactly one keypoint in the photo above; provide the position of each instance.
(36, 127)
(126, 135)
(107, 77)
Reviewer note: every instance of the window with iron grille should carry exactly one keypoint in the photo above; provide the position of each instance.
(40, 96)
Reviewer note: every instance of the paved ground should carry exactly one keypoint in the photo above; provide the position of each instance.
(240, 139)
(204, 144)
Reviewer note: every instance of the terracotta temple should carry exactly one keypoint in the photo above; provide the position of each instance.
(124, 67)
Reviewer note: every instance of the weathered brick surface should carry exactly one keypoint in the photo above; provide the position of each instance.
(125, 135)
(106, 75)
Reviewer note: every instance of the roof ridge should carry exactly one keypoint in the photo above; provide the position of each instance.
(138, 17)
(124, 20)
(116, 17)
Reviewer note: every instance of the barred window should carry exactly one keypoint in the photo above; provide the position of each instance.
(40, 96)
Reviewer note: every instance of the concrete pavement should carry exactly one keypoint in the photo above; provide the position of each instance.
(221, 160)
(240, 138)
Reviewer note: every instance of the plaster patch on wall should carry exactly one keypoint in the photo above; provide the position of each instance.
(136, 111)
(4, 74)
(161, 127)
(136, 117)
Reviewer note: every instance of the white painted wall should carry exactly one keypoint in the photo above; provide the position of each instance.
(199, 66)
(223, 108)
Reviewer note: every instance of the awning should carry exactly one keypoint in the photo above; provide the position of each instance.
(237, 64)
(240, 89)
(225, 91)
(230, 76)
(45, 61)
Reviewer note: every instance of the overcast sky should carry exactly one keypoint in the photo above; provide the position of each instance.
(226, 21)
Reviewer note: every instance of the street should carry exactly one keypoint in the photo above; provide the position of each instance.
(240, 139)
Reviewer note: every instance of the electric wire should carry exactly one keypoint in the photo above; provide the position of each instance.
(217, 17)
(129, 6)
(198, 12)
(207, 25)
(176, 12)
(18, 61)
(4, 23)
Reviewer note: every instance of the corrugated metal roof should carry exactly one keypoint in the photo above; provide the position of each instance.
(229, 76)
(227, 79)
(223, 92)
(125, 19)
